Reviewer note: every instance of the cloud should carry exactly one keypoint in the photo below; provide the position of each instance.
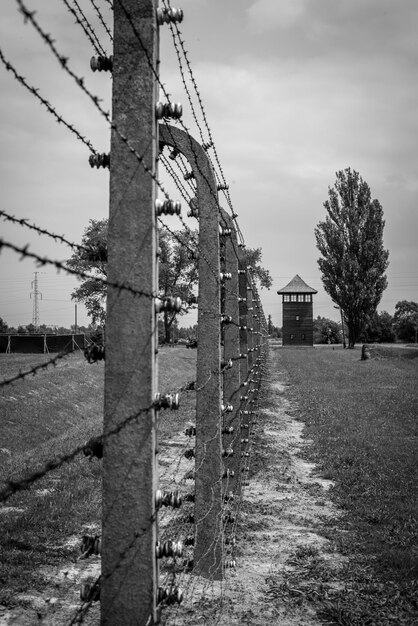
(294, 90)
(267, 15)
(309, 119)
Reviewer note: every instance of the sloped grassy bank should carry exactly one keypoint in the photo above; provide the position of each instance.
(43, 417)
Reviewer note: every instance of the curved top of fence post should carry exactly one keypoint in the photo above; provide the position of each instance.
(202, 169)
(229, 223)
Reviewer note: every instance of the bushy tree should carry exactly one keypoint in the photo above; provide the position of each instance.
(91, 257)
(326, 330)
(406, 320)
(3, 326)
(354, 261)
(177, 272)
(260, 274)
(178, 275)
(379, 329)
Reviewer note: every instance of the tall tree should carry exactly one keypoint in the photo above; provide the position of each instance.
(354, 261)
(269, 325)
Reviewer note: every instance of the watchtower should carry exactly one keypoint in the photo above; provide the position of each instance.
(297, 313)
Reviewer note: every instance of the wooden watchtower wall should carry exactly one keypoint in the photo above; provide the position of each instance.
(297, 313)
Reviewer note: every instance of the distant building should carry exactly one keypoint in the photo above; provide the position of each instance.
(297, 313)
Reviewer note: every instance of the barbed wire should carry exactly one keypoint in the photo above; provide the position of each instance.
(43, 231)
(63, 61)
(35, 92)
(79, 273)
(207, 181)
(35, 369)
(80, 82)
(177, 181)
(160, 83)
(102, 20)
(178, 238)
(193, 252)
(175, 30)
(180, 181)
(190, 586)
(82, 610)
(12, 486)
(179, 159)
(58, 462)
(18, 485)
(24, 250)
(190, 99)
(176, 571)
(41, 261)
(87, 28)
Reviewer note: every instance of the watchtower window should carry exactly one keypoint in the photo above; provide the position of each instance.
(297, 318)
(308, 297)
(286, 298)
(293, 297)
(300, 297)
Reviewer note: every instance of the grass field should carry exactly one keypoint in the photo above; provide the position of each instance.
(48, 415)
(361, 430)
(362, 420)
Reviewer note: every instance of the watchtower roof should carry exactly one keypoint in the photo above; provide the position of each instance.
(297, 285)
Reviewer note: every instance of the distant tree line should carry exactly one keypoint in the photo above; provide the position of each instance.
(381, 327)
(29, 329)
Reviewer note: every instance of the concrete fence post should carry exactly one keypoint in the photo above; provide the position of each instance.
(208, 553)
(129, 568)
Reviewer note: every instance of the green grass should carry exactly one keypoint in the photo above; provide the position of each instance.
(47, 415)
(362, 419)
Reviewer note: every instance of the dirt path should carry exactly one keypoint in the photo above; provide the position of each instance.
(284, 508)
(281, 558)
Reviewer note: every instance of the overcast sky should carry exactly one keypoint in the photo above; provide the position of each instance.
(294, 90)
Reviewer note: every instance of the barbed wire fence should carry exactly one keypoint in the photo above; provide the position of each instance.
(148, 572)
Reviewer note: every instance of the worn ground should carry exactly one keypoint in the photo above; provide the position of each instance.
(281, 556)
